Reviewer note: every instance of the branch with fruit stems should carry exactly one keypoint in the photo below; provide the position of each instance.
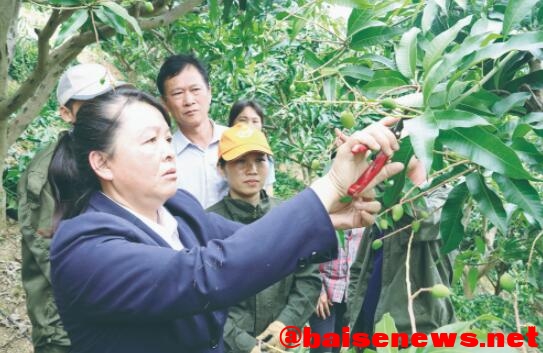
(403, 200)
(517, 319)
(410, 224)
(439, 185)
(441, 171)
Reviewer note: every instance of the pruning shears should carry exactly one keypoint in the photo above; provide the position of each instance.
(376, 165)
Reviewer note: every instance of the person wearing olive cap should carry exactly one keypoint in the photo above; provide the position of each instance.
(79, 84)
(244, 162)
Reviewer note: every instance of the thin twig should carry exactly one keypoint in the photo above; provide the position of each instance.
(517, 319)
(532, 250)
(410, 299)
(94, 28)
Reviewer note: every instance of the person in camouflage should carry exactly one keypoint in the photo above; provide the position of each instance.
(77, 85)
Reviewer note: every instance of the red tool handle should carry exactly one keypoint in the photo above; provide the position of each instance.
(369, 174)
(359, 149)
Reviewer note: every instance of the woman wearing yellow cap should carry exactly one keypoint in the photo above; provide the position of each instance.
(244, 162)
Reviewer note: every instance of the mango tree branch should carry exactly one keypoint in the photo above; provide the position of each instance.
(56, 18)
(169, 16)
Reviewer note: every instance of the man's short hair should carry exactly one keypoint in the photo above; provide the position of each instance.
(174, 65)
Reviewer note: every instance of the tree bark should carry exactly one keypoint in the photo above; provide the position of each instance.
(8, 16)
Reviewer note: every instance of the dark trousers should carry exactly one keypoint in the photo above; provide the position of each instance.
(333, 323)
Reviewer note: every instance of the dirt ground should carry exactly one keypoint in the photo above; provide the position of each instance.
(15, 328)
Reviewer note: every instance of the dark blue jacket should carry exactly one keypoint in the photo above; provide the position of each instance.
(120, 288)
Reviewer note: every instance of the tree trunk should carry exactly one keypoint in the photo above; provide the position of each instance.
(8, 18)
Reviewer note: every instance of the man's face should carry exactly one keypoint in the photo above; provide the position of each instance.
(188, 98)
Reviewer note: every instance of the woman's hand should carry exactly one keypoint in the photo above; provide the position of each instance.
(323, 306)
(358, 214)
(347, 167)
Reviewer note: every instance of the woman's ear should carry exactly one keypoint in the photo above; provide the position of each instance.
(98, 162)
(66, 114)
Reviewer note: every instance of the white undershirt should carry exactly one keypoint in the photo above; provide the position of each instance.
(166, 226)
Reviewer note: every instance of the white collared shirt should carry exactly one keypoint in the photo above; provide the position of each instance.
(166, 226)
(197, 168)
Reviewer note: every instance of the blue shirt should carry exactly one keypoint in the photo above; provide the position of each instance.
(197, 168)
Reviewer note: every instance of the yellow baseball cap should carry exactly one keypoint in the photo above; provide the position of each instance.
(240, 139)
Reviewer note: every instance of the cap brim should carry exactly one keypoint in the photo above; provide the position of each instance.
(241, 150)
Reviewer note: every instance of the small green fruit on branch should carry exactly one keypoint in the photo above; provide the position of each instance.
(347, 119)
(507, 282)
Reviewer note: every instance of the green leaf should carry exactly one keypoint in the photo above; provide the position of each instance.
(429, 14)
(375, 59)
(522, 194)
(527, 41)
(213, 10)
(423, 131)
(528, 152)
(394, 192)
(485, 149)
(473, 276)
(227, 7)
(462, 3)
(487, 201)
(413, 100)
(443, 5)
(534, 120)
(516, 10)
(122, 13)
(406, 54)
(65, 2)
(449, 63)
(109, 18)
(506, 104)
(450, 227)
(358, 72)
(437, 46)
(329, 88)
(312, 60)
(533, 79)
(350, 3)
(386, 325)
(371, 36)
(449, 119)
(358, 20)
(71, 25)
(382, 81)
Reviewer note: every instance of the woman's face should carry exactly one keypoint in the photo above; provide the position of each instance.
(142, 164)
(249, 116)
(246, 175)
